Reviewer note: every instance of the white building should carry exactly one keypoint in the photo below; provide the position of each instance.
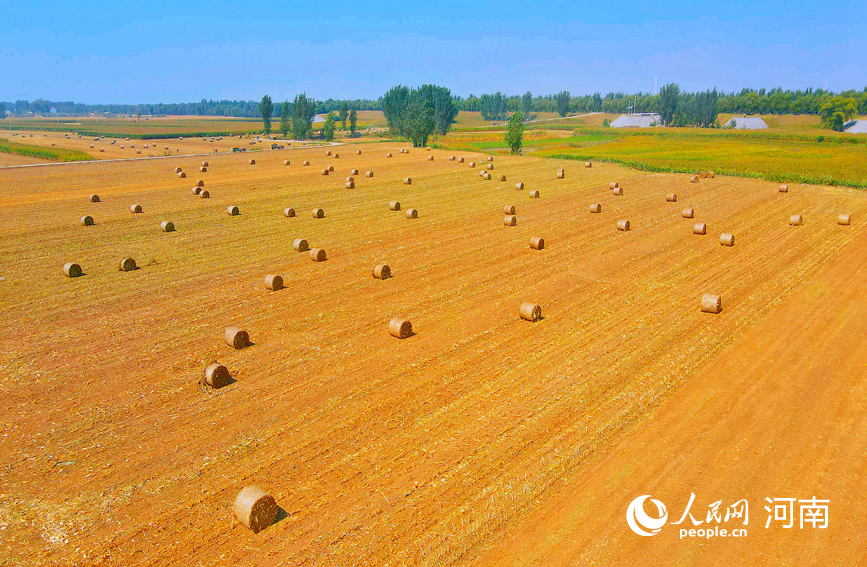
(745, 123)
(641, 120)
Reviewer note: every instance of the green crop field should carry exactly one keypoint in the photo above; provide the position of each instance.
(42, 152)
(788, 155)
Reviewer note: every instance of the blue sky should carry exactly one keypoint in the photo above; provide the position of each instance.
(157, 51)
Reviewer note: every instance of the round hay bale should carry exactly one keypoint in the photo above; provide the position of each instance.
(300, 245)
(784, 188)
(216, 375)
(561, 174)
(486, 176)
(702, 174)
(123, 147)
(400, 328)
(671, 197)
(452, 158)
(489, 166)
(623, 225)
(588, 164)
(336, 156)
(138, 152)
(460, 160)
(394, 206)
(196, 190)
(844, 219)
(358, 152)
(273, 282)
(617, 191)
(286, 162)
(596, 208)
(330, 168)
(501, 177)
(381, 272)
(699, 228)
(167, 226)
(205, 164)
(233, 211)
(252, 162)
(182, 175)
(472, 164)
(430, 158)
(796, 220)
(87, 220)
(325, 171)
(613, 185)
(305, 162)
(727, 239)
(710, 174)
(368, 174)
(318, 213)
(535, 194)
(537, 243)
(328, 152)
(509, 210)
(126, 265)
(353, 172)
(255, 508)
(135, 209)
(411, 214)
(388, 154)
(289, 212)
(236, 338)
(711, 303)
(71, 270)
(693, 179)
(203, 169)
(205, 194)
(317, 255)
(200, 183)
(519, 186)
(530, 311)
(350, 184)
(350, 178)
(407, 180)
(510, 220)
(688, 213)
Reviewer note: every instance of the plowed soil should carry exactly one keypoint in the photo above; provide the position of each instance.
(482, 437)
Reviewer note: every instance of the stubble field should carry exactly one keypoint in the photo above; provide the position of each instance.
(433, 450)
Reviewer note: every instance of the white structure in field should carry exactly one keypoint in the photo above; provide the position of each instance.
(641, 120)
(856, 127)
(317, 119)
(746, 123)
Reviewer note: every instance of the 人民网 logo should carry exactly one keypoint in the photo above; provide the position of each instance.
(640, 522)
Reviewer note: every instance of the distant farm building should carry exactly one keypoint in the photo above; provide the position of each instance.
(745, 123)
(642, 120)
(317, 119)
(856, 127)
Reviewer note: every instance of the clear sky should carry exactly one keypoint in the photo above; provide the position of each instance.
(158, 51)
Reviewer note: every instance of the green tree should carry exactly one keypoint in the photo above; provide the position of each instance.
(353, 121)
(344, 113)
(527, 103)
(515, 133)
(563, 99)
(284, 118)
(417, 113)
(266, 109)
(328, 127)
(669, 97)
(836, 111)
(303, 111)
(2, 110)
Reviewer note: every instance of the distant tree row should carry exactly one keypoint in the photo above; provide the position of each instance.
(230, 108)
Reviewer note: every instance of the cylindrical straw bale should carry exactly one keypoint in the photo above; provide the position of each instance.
(236, 337)
(711, 303)
(255, 508)
(381, 272)
(537, 243)
(274, 282)
(530, 311)
(216, 375)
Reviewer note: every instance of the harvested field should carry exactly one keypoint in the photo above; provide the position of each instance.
(457, 444)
